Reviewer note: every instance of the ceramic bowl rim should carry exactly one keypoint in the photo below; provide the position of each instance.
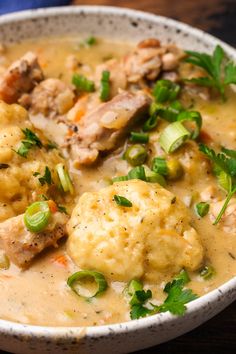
(55, 332)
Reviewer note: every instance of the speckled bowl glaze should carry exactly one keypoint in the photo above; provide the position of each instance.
(122, 24)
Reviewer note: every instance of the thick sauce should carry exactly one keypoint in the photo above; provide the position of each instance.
(40, 294)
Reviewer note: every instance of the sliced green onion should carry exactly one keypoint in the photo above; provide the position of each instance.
(155, 109)
(137, 172)
(173, 136)
(135, 155)
(119, 179)
(133, 286)
(105, 86)
(194, 117)
(165, 90)
(75, 280)
(154, 177)
(82, 83)
(171, 112)
(37, 216)
(64, 178)
(151, 123)
(207, 272)
(142, 138)
(202, 209)
(159, 165)
(122, 201)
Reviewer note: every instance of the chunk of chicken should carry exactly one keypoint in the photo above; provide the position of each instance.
(149, 59)
(85, 105)
(21, 77)
(102, 129)
(228, 219)
(21, 245)
(144, 62)
(52, 98)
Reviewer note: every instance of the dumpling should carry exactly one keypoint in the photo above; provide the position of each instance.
(151, 238)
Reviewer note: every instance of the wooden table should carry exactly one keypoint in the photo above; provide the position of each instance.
(219, 18)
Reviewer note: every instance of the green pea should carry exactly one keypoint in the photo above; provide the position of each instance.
(175, 169)
(136, 155)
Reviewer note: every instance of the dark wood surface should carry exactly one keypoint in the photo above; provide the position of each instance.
(217, 17)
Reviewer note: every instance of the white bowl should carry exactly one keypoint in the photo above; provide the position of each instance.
(138, 334)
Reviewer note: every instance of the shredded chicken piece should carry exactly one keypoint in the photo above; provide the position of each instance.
(149, 59)
(52, 98)
(102, 129)
(21, 77)
(228, 219)
(209, 194)
(21, 245)
(72, 62)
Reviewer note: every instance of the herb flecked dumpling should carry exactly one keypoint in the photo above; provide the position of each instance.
(146, 240)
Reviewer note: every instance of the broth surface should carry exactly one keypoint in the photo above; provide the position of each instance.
(39, 295)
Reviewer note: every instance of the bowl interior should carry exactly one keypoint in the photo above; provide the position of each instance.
(127, 25)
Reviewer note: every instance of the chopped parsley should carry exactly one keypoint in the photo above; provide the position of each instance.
(82, 83)
(31, 140)
(46, 178)
(219, 75)
(225, 170)
(122, 201)
(177, 297)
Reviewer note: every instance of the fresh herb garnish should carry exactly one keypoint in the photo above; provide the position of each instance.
(219, 75)
(165, 90)
(37, 216)
(105, 86)
(82, 83)
(46, 178)
(175, 302)
(122, 201)
(225, 169)
(80, 278)
(202, 209)
(135, 154)
(136, 137)
(176, 299)
(31, 140)
(138, 299)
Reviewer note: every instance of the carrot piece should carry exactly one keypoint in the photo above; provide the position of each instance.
(60, 260)
(79, 114)
(52, 206)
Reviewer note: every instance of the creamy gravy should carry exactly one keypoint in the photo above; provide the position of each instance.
(40, 294)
